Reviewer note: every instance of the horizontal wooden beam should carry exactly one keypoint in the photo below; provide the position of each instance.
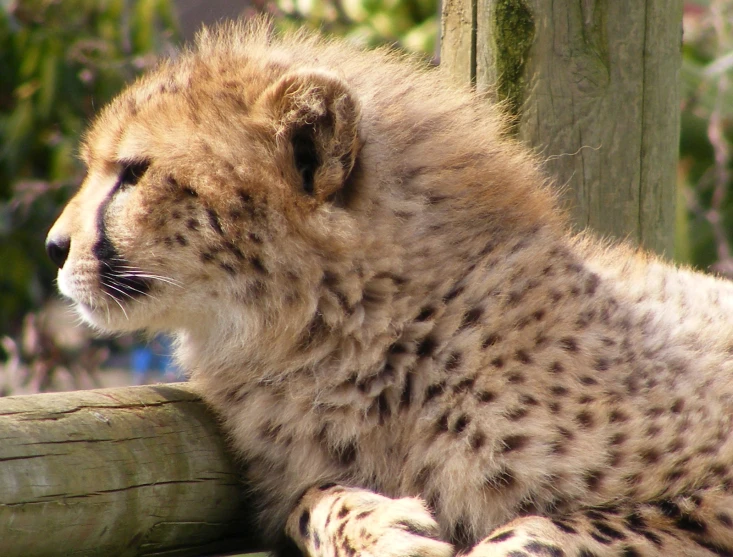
(129, 471)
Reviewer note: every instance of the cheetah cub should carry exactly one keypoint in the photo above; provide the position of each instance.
(372, 285)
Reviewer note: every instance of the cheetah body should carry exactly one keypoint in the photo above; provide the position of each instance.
(374, 288)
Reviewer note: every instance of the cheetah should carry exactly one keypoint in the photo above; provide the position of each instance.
(374, 287)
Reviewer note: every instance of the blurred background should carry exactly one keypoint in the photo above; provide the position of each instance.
(60, 61)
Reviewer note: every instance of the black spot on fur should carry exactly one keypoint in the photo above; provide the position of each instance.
(380, 405)
(515, 378)
(257, 265)
(518, 413)
(600, 539)
(234, 250)
(442, 424)
(425, 314)
(485, 396)
(591, 283)
(514, 443)
(501, 537)
(691, 524)
(304, 523)
(501, 479)
(454, 293)
(569, 344)
(397, 348)
(453, 361)
(244, 197)
(490, 340)
(471, 317)
(461, 423)
(556, 367)
(406, 396)
(478, 439)
(604, 529)
(601, 364)
(189, 191)
(617, 416)
(214, 221)
(426, 347)
(514, 298)
(564, 526)
(650, 455)
(434, 390)
(464, 385)
(585, 419)
(416, 529)
(593, 479)
(228, 268)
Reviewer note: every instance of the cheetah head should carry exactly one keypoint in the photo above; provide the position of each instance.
(211, 181)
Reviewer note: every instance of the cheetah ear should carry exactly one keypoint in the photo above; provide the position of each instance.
(316, 119)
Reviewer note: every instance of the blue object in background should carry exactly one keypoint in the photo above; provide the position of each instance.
(154, 358)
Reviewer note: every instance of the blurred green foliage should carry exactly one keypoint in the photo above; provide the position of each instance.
(408, 24)
(59, 61)
(705, 223)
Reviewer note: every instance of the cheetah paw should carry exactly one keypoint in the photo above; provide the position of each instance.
(356, 522)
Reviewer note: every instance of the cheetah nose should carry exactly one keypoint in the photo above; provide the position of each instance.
(58, 250)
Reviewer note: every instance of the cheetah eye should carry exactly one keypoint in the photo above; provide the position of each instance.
(132, 172)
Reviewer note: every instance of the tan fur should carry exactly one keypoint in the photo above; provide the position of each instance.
(372, 285)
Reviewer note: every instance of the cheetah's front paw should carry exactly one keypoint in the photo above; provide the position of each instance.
(351, 522)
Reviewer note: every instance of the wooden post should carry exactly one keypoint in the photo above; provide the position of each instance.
(124, 472)
(595, 90)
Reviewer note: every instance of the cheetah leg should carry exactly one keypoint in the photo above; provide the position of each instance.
(339, 521)
(695, 526)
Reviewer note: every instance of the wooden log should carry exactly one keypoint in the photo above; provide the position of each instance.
(594, 86)
(129, 471)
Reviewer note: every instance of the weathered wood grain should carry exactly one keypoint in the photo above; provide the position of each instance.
(595, 88)
(130, 471)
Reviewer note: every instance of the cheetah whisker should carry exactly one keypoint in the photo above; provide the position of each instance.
(132, 288)
(119, 304)
(113, 287)
(129, 271)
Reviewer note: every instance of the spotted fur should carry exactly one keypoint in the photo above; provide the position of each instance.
(372, 285)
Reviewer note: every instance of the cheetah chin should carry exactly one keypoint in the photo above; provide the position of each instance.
(372, 285)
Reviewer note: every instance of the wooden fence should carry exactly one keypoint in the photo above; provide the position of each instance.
(117, 472)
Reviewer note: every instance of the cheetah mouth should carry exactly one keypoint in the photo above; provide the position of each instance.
(123, 282)
(117, 277)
